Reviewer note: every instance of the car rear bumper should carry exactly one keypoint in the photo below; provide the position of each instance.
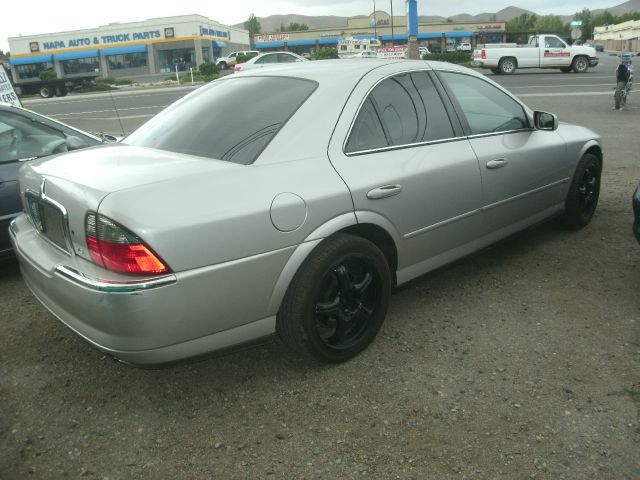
(152, 320)
(636, 213)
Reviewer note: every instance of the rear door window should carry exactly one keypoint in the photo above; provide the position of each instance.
(402, 110)
(232, 120)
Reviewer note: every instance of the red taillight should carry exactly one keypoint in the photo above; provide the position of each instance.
(115, 248)
(237, 68)
(483, 55)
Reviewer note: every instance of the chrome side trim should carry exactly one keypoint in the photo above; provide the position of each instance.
(441, 224)
(99, 285)
(525, 194)
(483, 209)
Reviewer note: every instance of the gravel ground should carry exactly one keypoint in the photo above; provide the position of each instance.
(521, 361)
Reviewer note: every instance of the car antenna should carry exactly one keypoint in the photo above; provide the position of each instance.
(115, 109)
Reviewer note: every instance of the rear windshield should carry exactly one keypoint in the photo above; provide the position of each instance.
(232, 119)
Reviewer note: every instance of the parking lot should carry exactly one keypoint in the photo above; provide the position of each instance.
(521, 361)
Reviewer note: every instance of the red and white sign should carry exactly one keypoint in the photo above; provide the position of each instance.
(273, 37)
(397, 51)
(557, 54)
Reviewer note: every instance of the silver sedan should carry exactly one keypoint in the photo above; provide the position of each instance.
(292, 208)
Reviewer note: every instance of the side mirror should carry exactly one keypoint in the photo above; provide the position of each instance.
(75, 143)
(545, 121)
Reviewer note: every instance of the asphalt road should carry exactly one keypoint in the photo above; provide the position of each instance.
(120, 112)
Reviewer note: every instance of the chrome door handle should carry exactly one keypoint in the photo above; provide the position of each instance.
(384, 191)
(499, 163)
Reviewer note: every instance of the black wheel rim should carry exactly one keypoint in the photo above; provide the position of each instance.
(588, 190)
(348, 297)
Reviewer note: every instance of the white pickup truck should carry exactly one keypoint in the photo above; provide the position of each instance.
(542, 51)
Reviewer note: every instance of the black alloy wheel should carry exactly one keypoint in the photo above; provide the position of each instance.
(582, 198)
(337, 300)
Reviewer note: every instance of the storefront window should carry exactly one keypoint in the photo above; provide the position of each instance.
(183, 58)
(206, 57)
(33, 69)
(128, 60)
(81, 65)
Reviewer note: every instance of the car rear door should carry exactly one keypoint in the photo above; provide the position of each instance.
(401, 153)
(524, 171)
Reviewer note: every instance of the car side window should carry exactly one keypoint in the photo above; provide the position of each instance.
(286, 58)
(269, 59)
(552, 42)
(486, 108)
(367, 132)
(402, 110)
(22, 138)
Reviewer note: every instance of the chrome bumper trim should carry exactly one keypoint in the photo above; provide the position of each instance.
(111, 286)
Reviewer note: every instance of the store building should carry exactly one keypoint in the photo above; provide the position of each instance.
(390, 30)
(158, 45)
(623, 37)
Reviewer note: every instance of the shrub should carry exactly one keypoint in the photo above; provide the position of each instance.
(47, 74)
(451, 57)
(208, 68)
(123, 81)
(107, 80)
(326, 53)
(244, 58)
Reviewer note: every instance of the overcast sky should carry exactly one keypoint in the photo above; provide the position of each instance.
(29, 18)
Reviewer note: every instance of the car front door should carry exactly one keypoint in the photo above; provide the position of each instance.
(524, 171)
(409, 169)
(555, 53)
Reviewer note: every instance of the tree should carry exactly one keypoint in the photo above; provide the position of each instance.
(519, 28)
(254, 27)
(587, 22)
(296, 27)
(550, 24)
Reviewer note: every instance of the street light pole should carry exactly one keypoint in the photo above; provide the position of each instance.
(375, 20)
(392, 40)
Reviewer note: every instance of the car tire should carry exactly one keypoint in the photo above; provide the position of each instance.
(223, 65)
(619, 96)
(507, 66)
(580, 64)
(61, 91)
(582, 198)
(337, 301)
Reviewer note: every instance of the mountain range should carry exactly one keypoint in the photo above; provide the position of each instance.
(274, 22)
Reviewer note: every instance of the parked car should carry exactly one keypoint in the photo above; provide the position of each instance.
(231, 59)
(25, 135)
(423, 51)
(366, 54)
(599, 47)
(636, 213)
(268, 59)
(295, 209)
(464, 47)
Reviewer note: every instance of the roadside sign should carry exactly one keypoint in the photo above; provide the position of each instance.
(7, 93)
(576, 23)
(396, 51)
(576, 33)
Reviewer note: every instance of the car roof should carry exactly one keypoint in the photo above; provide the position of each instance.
(351, 70)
